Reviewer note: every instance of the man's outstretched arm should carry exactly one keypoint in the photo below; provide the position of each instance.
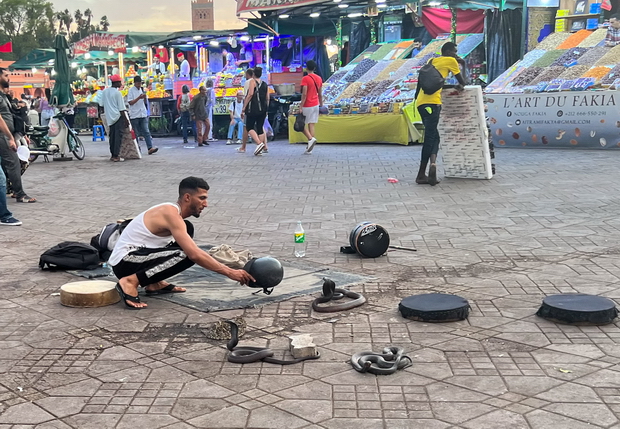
(179, 232)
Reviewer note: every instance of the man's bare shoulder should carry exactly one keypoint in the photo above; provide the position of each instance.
(165, 212)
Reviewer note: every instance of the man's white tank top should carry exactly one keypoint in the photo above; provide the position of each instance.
(136, 235)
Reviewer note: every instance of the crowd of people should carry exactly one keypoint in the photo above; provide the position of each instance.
(248, 114)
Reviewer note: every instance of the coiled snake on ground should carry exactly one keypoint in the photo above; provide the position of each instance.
(388, 362)
(255, 354)
(332, 293)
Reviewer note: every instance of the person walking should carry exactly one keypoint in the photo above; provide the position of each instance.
(198, 112)
(429, 107)
(47, 110)
(183, 103)
(210, 102)
(6, 217)
(8, 148)
(249, 76)
(138, 113)
(311, 100)
(236, 108)
(115, 115)
(255, 110)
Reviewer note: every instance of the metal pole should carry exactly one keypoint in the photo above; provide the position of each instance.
(524, 29)
(453, 23)
(267, 53)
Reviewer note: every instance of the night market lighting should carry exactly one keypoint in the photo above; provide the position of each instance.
(315, 14)
(284, 16)
(343, 6)
(355, 15)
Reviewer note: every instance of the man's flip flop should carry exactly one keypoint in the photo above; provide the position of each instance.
(162, 291)
(126, 297)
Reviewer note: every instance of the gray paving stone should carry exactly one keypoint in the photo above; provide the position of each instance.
(25, 413)
(538, 228)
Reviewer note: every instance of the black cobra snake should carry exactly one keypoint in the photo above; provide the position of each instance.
(388, 362)
(332, 293)
(255, 354)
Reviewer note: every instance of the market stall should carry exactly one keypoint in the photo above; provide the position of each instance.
(372, 90)
(563, 94)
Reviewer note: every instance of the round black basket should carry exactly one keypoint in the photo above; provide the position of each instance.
(369, 239)
(434, 307)
(578, 309)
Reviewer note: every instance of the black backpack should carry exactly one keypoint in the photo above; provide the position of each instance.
(430, 79)
(258, 102)
(70, 255)
(105, 241)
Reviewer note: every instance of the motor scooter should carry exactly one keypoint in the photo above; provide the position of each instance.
(56, 139)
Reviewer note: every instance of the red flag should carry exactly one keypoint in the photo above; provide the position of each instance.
(7, 47)
(606, 5)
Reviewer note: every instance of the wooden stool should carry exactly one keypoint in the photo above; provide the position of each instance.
(89, 293)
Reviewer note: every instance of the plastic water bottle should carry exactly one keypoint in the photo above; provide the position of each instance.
(300, 241)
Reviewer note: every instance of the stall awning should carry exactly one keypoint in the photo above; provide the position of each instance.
(182, 37)
(266, 5)
(38, 58)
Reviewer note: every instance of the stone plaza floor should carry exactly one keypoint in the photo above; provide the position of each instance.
(547, 223)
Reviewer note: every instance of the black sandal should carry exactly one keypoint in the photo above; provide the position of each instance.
(162, 291)
(126, 297)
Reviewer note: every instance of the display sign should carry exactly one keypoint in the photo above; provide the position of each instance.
(221, 105)
(581, 119)
(464, 137)
(100, 42)
(260, 5)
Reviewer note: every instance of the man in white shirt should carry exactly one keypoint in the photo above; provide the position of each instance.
(184, 69)
(138, 113)
(236, 108)
(157, 67)
(115, 115)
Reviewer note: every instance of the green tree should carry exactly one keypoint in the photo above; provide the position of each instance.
(23, 21)
(104, 23)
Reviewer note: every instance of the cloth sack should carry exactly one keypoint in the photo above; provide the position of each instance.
(229, 257)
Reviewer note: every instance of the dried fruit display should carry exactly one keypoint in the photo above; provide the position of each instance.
(380, 88)
(531, 57)
(548, 74)
(611, 76)
(573, 72)
(553, 40)
(360, 69)
(549, 57)
(405, 69)
(526, 76)
(569, 56)
(597, 72)
(391, 68)
(349, 91)
(331, 91)
(575, 39)
(337, 76)
(374, 71)
(611, 58)
(383, 50)
(593, 55)
(432, 48)
(594, 39)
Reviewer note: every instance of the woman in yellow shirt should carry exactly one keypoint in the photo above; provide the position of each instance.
(429, 107)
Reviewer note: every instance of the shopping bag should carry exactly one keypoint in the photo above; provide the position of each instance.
(300, 123)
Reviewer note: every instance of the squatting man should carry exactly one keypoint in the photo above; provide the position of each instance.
(158, 244)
